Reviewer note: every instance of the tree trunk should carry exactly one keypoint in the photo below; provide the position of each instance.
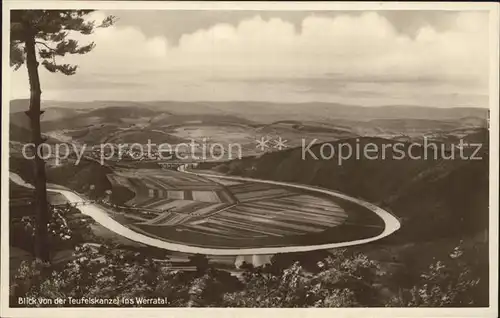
(41, 204)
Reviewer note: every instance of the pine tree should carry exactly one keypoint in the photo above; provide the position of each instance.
(44, 35)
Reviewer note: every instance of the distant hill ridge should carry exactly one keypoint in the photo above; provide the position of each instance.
(98, 119)
(268, 112)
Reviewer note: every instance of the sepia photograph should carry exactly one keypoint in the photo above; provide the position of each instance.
(162, 155)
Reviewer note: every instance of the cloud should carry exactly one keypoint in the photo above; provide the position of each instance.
(273, 59)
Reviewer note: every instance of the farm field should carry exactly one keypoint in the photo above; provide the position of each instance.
(184, 208)
(166, 198)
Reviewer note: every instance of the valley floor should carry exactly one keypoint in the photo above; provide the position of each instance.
(264, 217)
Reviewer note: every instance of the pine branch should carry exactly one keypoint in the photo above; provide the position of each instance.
(66, 69)
(17, 56)
(51, 27)
(108, 21)
(44, 44)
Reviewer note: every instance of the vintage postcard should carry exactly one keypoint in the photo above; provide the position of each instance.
(210, 158)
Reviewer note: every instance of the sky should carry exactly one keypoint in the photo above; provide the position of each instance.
(369, 58)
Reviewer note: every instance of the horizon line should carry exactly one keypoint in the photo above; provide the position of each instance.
(251, 101)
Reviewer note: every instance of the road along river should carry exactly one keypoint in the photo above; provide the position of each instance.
(102, 217)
